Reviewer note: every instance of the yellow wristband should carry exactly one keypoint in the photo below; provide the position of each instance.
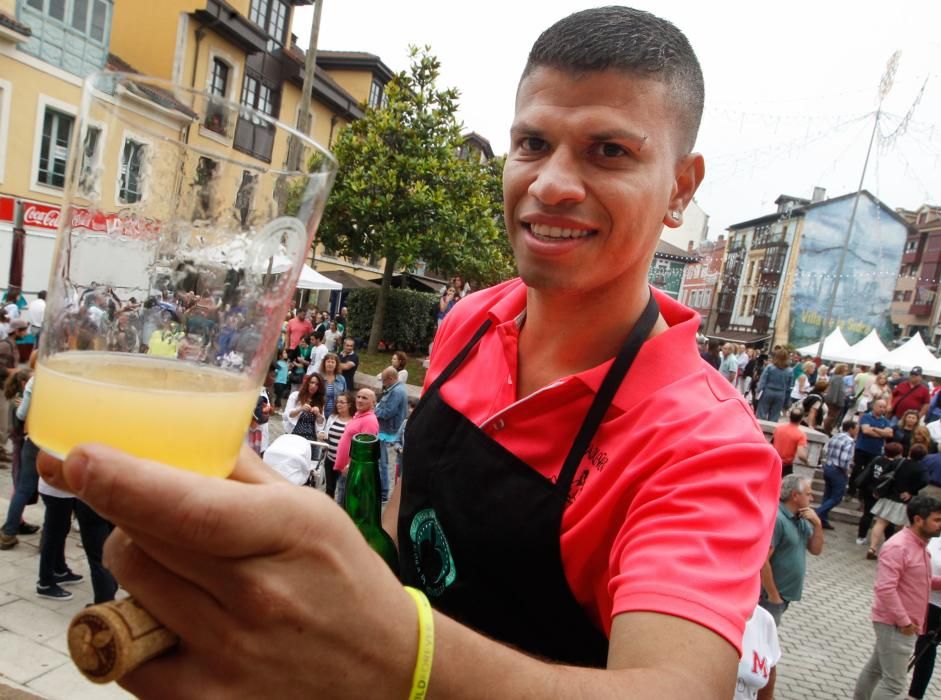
(426, 645)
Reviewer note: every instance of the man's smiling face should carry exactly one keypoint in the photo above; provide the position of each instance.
(593, 173)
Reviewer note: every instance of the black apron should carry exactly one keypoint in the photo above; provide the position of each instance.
(479, 528)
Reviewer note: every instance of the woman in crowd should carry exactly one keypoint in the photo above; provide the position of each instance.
(879, 389)
(813, 405)
(902, 434)
(446, 303)
(303, 414)
(870, 476)
(835, 398)
(398, 362)
(334, 383)
(331, 434)
(922, 436)
(802, 384)
(774, 386)
(904, 482)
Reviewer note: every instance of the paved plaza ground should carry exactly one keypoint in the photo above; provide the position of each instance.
(825, 639)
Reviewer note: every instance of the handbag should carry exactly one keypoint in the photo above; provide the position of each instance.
(884, 487)
(864, 477)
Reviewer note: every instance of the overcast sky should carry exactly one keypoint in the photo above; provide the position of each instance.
(791, 88)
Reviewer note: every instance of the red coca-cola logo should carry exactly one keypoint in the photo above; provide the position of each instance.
(40, 216)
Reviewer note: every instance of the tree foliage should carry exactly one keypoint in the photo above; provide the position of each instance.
(409, 325)
(403, 192)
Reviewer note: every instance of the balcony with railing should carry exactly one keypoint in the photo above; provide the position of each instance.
(923, 299)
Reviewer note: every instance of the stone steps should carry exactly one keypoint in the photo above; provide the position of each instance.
(846, 512)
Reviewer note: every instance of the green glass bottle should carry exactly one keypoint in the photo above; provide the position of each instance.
(363, 497)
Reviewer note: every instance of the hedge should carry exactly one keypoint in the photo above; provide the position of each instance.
(410, 317)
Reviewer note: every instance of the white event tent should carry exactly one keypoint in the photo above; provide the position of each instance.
(867, 351)
(833, 343)
(311, 279)
(913, 353)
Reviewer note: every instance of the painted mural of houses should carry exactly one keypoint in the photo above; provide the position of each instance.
(781, 269)
(701, 281)
(668, 268)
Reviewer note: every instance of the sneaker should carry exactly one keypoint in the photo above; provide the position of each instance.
(8, 541)
(861, 540)
(827, 526)
(27, 529)
(54, 591)
(68, 578)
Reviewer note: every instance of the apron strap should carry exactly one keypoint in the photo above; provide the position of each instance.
(609, 386)
(459, 358)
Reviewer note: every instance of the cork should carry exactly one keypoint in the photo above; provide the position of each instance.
(108, 640)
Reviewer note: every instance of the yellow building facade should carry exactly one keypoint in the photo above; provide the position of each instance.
(241, 51)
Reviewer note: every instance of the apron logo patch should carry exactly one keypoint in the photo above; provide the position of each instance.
(433, 560)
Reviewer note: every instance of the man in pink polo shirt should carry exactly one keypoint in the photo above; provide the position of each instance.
(900, 601)
(363, 421)
(587, 519)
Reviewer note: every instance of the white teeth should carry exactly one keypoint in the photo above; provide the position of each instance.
(556, 232)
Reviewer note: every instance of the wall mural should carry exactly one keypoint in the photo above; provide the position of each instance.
(865, 291)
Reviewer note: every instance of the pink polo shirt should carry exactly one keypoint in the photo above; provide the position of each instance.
(360, 423)
(903, 581)
(673, 505)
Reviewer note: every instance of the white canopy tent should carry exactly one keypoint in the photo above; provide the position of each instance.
(311, 279)
(867, 351)
(834, 343)
(913, 353)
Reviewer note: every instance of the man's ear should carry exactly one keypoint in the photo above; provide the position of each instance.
(690, 171)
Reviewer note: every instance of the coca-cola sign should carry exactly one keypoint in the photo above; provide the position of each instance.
(46, 217)
(40, 216)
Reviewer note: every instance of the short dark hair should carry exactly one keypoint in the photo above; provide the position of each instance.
(917, 452)
(922, 506)
(848, 425)
(629, 40)
(796, 414)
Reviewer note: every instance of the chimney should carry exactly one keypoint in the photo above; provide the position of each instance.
(820, 194)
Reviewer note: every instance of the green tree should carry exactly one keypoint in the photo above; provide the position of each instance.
(403, 192)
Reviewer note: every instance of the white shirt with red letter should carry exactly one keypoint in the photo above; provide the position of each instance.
(760, 653)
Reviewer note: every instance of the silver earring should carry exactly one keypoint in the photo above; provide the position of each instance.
(675, 215)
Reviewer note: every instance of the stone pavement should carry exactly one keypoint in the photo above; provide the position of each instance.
(825, 638)
(34, 656)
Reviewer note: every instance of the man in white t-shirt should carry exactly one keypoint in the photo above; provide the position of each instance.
(760, 656)
(35, 313)
(318, 350)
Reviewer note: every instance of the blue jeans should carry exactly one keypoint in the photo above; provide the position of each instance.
(94, 530)
(833, 491)
(385, 442)
(26, 484)
(771, 404)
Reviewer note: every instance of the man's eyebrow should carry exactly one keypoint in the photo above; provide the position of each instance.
(620, 135)
(638, 140)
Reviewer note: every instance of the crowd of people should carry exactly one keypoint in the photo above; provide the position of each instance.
(882, 448)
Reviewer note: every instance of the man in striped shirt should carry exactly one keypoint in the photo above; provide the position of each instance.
(837, 463)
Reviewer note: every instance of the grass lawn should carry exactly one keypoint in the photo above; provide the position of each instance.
(374, 363)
